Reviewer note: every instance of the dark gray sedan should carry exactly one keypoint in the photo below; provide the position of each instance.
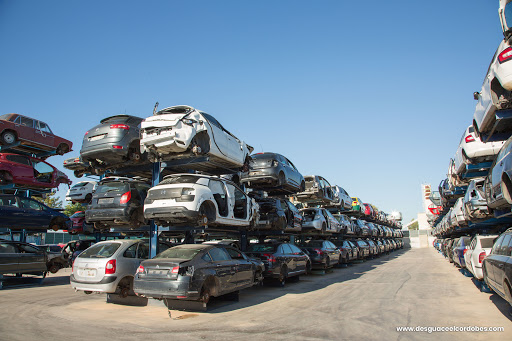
(196, 272)
(21, 258)
(274, 173)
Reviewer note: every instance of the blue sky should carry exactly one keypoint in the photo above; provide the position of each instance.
(373, 96)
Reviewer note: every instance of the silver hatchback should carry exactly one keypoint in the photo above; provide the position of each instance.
(109, 266)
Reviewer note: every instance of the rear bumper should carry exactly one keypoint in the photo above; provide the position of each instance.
(107, 284)
(108, 215)
(105, 152)
(165, 288)
(171, 214)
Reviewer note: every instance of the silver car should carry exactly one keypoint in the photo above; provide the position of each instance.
(475, 204)
(319, 219)
(109, 266)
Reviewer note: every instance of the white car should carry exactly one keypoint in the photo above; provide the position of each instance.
(199, 200)
(472, 150)
(182, 132)
(342, 198)
(459, 213)
(496, 89)
(479, 247)
(81, 191)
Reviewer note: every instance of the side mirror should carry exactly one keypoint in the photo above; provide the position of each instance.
(476, 95)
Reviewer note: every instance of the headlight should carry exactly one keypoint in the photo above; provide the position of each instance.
(187, 191)
(188, 121)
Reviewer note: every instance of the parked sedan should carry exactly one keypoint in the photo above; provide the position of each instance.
(346, 225)
(318, 190)
(364, 230)
(117, 201)
(475, 205)
(348, 250)
(182, 132)
(109, 266)
(282, 260)
(199, 200)
(19, 212)
(33, 135)
(342, 198)
(323, 253)
(497, 266)
(495, 94)
(81, 191)
(364, 249)
(29, 172)
(112, 143)
(479, 247)
(319, 219)
(459, 250)
(278, 214)
(22, 258)
(274, 173)
(498, 184)
(194, 272)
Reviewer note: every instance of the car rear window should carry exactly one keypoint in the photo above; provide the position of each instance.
(78, 215)
(487, 243)
(262, 248)
(80, 184)
(179, 253)
(105, 250)
(183, 179)
(112, 186)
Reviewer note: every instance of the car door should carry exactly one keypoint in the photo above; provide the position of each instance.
(491, 260)
(9, 258)
(501, 260)
(290, 259)
(34, 214)
(225, 269)
(25, 128)
(227, 145)
(334, 254)
(293, 173)
(43, 173)
(131, 258)
(10, 211)
(495, 179)
(31, 258)
(43, 134)
(245, 272)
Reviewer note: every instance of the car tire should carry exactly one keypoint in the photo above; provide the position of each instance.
(62, 149)
(302, 186)
(78, 174)
(308, 268)
(205, 295)
(88, 198)
(54, 268)
(8, 137)
(327, 263)
(281, 179)
(283, 274)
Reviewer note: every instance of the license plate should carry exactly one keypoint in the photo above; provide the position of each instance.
(105, 200)
(157, 272)
(97, 137)
(89, 272)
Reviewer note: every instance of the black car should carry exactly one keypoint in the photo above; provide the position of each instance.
(282, 260)
(373, 248)
(19, 212)
(323, 253)
(19, 258)
(274, 173)
(278, 214)
(117, 202)
(364, 249)
(497, 266)
(113, 142)
(195, 272)
(347, 249)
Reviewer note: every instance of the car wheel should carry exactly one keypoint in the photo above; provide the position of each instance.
(78, 174)
(205, 295)
(152, 157)
(282, 277)
(134, 220)
(341, 260)
(87, 292)
(8, 137)
(327, 263)
(281, 179)
(324, 228)
(302, 186)
(62, 149)
(308, 268)
(202, 219)
(54, 268)
(88, 198)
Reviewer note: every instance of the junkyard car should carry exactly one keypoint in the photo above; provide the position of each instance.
(182, 131)
(78, 167)
(475, 204)
(495, 94)
(323, 253)
(342, 198)
(195, 272)
(22, 258)
(318, 190)
(498, 184)
(55, 259)
(194, 199)
(112, 143)
(109, 266)
(319, 219)
(497, 266)
(81, 191)
(479, 247)
(19, 212)
(79, 225)
(273, 173)
(32, 134)
(28, 172)
(117, 201)
(357, 204)
(278, 214)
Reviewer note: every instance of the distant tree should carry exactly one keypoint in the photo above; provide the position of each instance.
(414, 226)
(72, 207)
(50, 200)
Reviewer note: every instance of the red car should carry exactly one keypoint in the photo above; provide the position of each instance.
(32, 135)
(79, 224)
(29, 172)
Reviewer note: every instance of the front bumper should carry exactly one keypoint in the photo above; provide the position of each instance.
(166, 288)
(107, 285)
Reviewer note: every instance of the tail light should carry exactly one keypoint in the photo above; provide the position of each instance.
(318, 251)
(464, 252)
(110, 268)
(120, 126)
(125, 198)
(140, 269)
(506, 55)
(86, 133)
(117, 147)
(175, 270)
(481, 257)
(270, 257)
(73, 267)
(469, 138)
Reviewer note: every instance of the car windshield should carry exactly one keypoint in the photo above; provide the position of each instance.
(5, 117)
(80, 214)
(182, 179)
(105, 250)
(110, 187)
(179, 252)
(262, 248)
(508, 15)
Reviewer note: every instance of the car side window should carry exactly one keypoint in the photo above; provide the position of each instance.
(19, 159)
(8, 201)
(504, 245)
(294, 248)
(131, 252)
(30, 204)
(27, 122)
(206, 257)
(29, 249)
(235, 254)
(497, 245)
(508, 251)
(42, 167)
(7, 248)
(143, 250)
(44, 127)
(219, 254)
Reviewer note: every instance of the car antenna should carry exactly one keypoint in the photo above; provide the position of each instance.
(155, 108)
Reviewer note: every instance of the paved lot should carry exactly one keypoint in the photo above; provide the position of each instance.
(366, 301)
